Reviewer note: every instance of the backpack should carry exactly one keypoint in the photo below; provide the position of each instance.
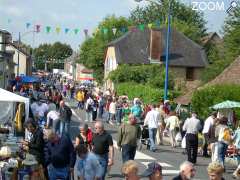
(225, 135)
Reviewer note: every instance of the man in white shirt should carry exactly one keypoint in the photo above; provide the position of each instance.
(192, 126)
(152, 120)
(53, 120)
(207, 128)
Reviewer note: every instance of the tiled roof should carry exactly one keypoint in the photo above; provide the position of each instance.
(133, 48)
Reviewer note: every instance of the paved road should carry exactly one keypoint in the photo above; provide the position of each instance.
(169, 158)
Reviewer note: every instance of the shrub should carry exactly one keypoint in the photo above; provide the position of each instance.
(153, 75)
(145, 92)
(204, 98)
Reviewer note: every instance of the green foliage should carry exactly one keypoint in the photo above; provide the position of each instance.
(151, 75)
(145, 92)
(211, 95)
(54, 54)
(220, 57)
(232, 33)
(91, 55)
(92, 50)
(184, 19)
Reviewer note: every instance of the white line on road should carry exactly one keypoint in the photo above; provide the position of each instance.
(140, 155)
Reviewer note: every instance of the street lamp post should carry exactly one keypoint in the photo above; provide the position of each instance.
(158, 2)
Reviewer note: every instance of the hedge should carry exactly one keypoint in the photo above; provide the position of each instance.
(204, 98)
(145, 92)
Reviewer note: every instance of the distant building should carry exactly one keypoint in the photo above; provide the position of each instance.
(187, 59)
(77, 71)
(25, 59)
(212, 38)
(6, 59)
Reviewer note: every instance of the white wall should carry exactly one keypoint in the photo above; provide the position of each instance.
(22, 61)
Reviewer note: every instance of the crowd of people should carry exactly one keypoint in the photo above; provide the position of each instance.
(48, 133)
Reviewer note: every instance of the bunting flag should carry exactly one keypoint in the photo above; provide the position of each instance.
(28, 25)
(141, 27)
(105, 31)
(48, 29)
(114, 30)
(86, 32)
(66, 30)
(76, 31)
(38, 28)
(150, 25)
(58, 29)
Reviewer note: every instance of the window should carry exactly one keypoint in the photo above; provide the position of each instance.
(190, 74)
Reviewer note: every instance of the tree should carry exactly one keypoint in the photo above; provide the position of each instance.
(232, 33)
(184, 19)
(54, 54)
(92, 50)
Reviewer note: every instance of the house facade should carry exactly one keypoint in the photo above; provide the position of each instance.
(77, 71)
(6, 59)
(187, 59)
(24, 66)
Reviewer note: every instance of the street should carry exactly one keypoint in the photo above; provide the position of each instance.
(169, 158)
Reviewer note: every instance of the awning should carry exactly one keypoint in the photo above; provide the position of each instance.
(86, 78)
(7, 96)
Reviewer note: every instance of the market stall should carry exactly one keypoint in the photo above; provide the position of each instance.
(15, 162)
(10, 98)
(226, 108)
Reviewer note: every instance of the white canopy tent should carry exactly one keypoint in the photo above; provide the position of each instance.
(9, 97)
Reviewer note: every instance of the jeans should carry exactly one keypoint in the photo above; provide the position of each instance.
(89, 116)
(103, 160)
(64, 127)
(56, 125)
(80, 104)
(100, 112)
(58, 173)
(152, 136)
(119, 116)
(107, 116)
(222, 148)
(128, 152)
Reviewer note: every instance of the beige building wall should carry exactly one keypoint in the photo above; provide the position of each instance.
(110, 64)
(23, 61)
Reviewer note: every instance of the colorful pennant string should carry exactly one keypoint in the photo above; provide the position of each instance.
(66, 30)
(58, 29)
(28, 25)
(48, 29)
(76, 31)
(38, 28)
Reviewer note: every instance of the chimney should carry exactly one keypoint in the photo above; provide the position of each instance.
(155, 44)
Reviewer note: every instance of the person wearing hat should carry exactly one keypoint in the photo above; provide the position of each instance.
(153, 171)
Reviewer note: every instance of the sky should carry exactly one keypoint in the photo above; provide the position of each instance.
(81, 14)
